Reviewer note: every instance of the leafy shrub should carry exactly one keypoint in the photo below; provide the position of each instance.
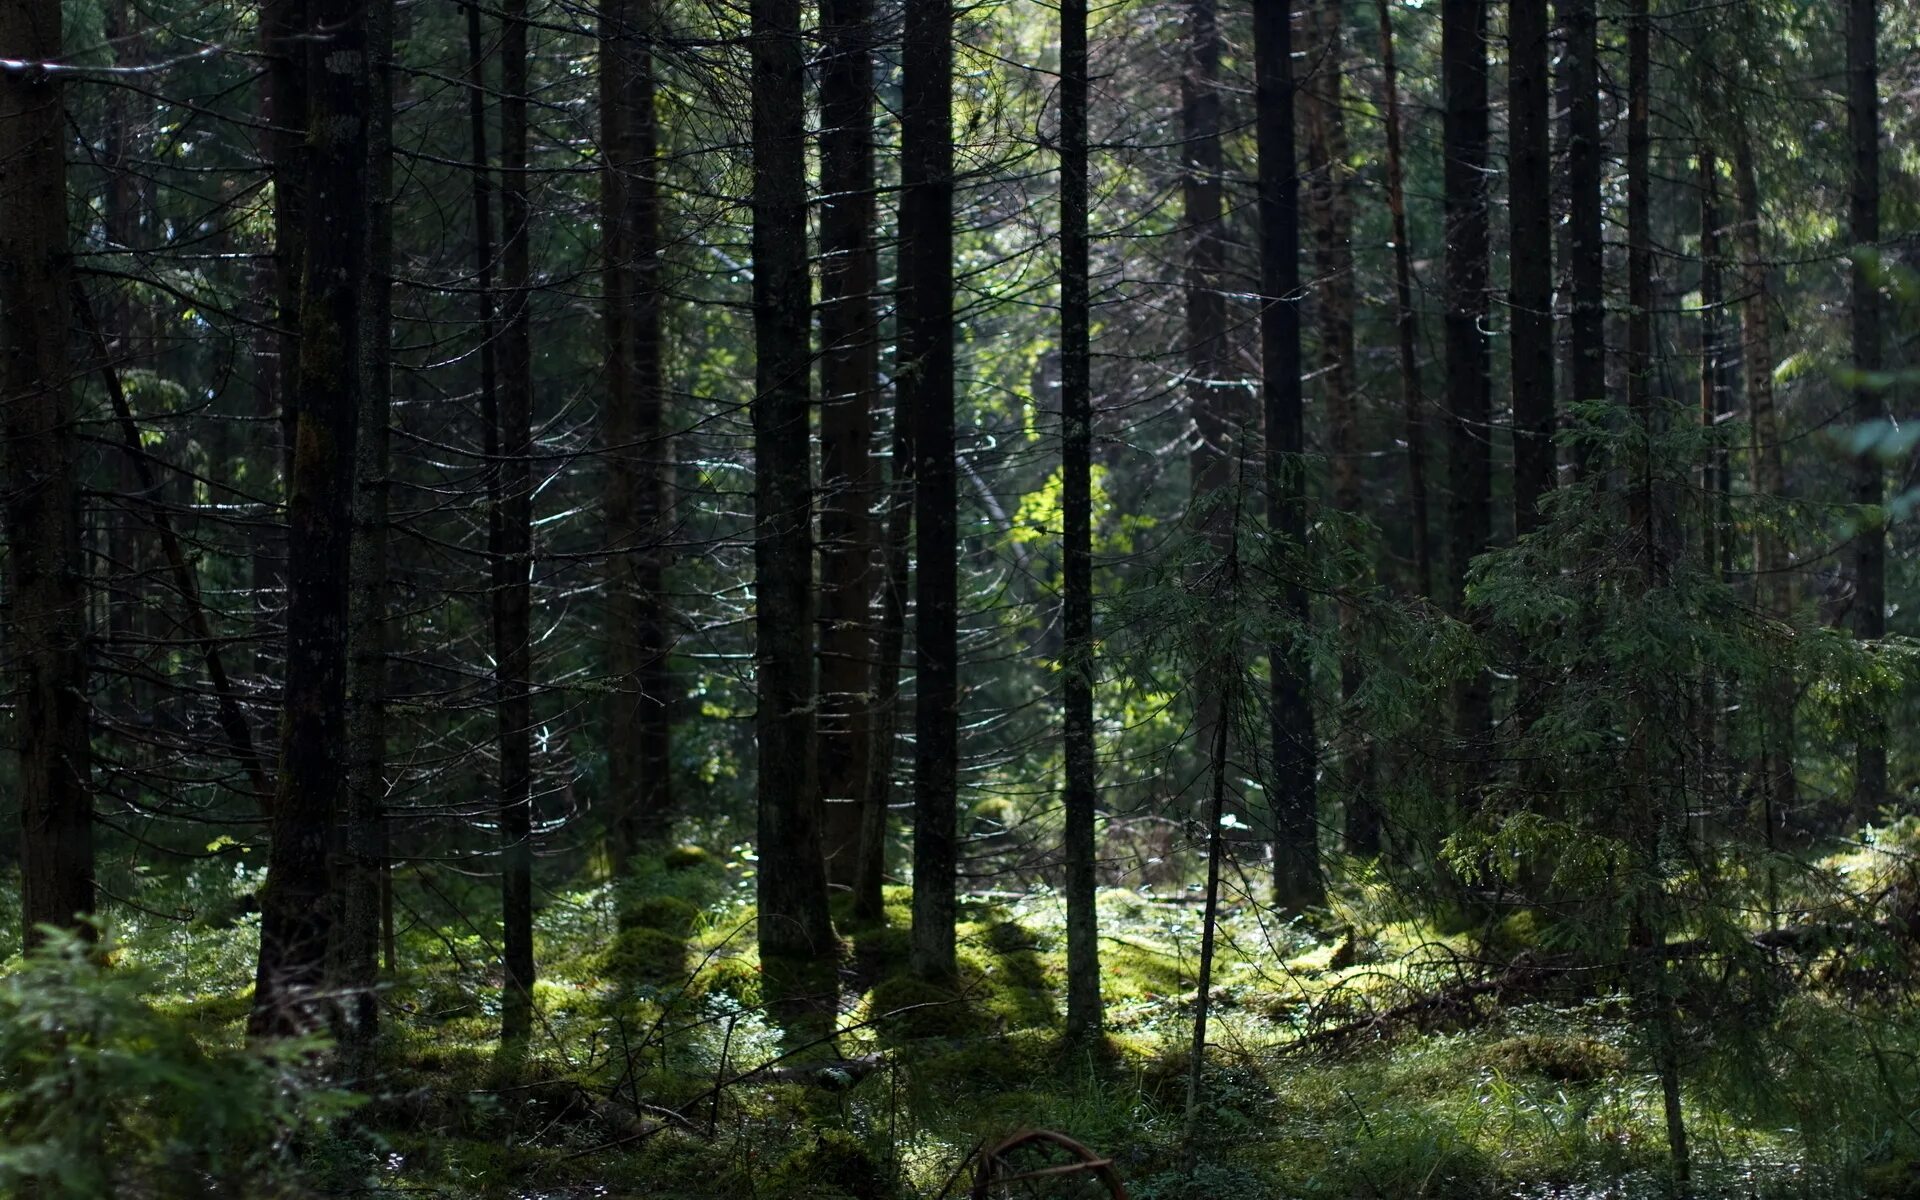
(101, 1094)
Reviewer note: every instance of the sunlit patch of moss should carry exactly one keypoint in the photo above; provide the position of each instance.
(686, 857)
(668, 914)
(906, 1007)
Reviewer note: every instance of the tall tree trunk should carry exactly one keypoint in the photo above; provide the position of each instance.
(1586, 248)
(849, 383)
(1293, 790)
(364, 837)
(297, 905)
(513, 555)
(1412, 398)
(793, 921)
(45, 631)
(1463, 61)
(1530, 290)
(1773, 585)
(1210, 400)
(1329, 214)
(926, 383)
(1084, 1016)
(1639, 358)
(639, 726)
(1869, 405)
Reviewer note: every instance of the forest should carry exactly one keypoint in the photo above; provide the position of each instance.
(883, 599)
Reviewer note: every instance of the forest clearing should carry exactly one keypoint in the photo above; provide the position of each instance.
(884, 599)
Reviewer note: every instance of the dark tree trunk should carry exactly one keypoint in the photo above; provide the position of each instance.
(926, 384)
(1639, 358)
(1869, 405)
(364, 837)
(1412, 398)
(513, 554)
(849, 382)
(793, 921)
(1329, 217)
(1463, 61)
(639, 730)
(1210, 400)
(298, 905)
(1294, 792)
(1586, 249)
(1530, 287)
(45, 633)
(1084, 1016)
(1716, 380)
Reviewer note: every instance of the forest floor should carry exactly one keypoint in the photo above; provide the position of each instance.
(655, 1070)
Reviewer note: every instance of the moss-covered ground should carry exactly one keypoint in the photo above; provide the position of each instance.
(652, 1016)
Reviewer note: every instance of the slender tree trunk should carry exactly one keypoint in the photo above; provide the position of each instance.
(513, 557)
(793, 920)
(364, 838)
(1463, 52)
(298, 904)
(1639, 358)
(1209, 917)
(639, 726)
(1294, 792)
(849, 383)
(926, 382)
(1773, 586)
(1530, 291)
(1210, 400)
(1716, 399)
(1406, 327)
(1084, 1016)
(45, 631)
(1329, 217)
(1869, 405)
(1586, 248)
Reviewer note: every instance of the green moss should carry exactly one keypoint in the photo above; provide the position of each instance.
(682, 858)
(645, 956)
(669, 914)
(1561, 1058)
(1898, 1180)
(833, 1164)
(910, 1008)
(729, 975)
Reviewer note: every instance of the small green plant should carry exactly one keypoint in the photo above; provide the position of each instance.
(101, 1094)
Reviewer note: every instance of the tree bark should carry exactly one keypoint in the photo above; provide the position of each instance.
(1530, 290)
(1084, 1015)
(298, 904)
(793, 921)
(1406, 327)
(1463, 51)
(45, 630)
(1869, 404)
(926, 382)
(639, 726)
(849, 384)
(1210, 400)
(1294, 792)
(513, 556)
(1586, 247)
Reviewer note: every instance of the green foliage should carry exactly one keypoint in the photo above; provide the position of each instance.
(101, 1093)
(645, 956)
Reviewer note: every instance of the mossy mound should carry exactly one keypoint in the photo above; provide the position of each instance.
(911, 1009)
(668, 914)
(834, 1165)
(730, 975)
(684, 858)
(1561, 1058)
(648, 956)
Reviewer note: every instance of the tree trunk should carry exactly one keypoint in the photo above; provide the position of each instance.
(1210, 400)
(45, 632)
(1293, 790)
(1869, 405)
(639, 725)
(513, 554)
(926, 383)
(1463, 51)
(297, 905)
(1084, 1016)
(849, 383)
(1530, 290)
(1773, 585)
(1639, 358)
(793, 921)
(1586, 248)
(364, 837)
(1412, 398)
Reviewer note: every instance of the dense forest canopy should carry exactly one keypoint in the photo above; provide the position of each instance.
(652, 597)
